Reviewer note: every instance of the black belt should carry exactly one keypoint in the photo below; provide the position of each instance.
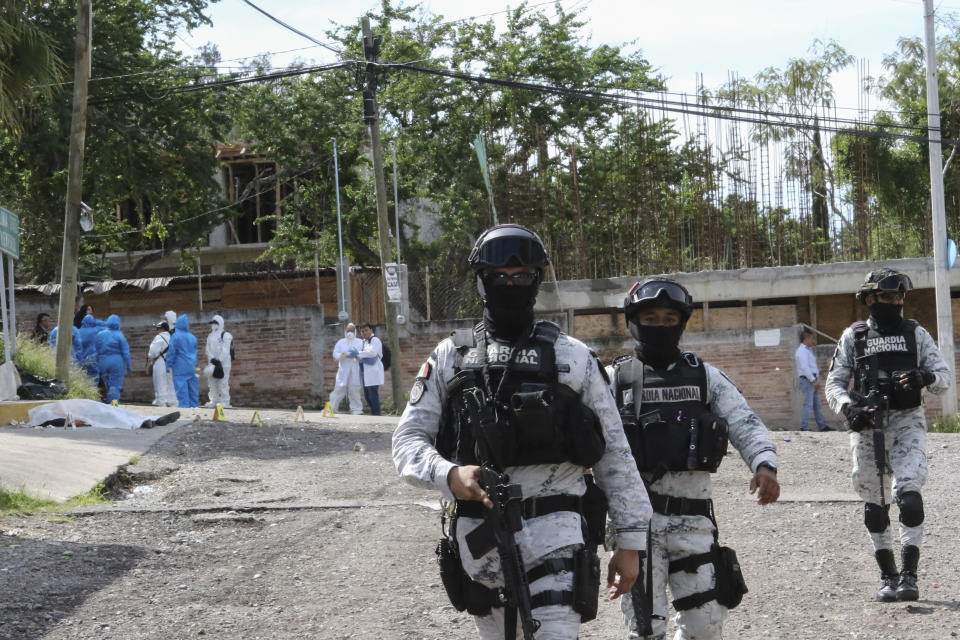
(673, 506)
(530, 508)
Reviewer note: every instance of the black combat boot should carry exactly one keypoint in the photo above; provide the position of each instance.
(907, 588)
(888, 575)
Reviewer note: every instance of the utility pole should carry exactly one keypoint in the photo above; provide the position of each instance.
(71, 218)
(940, 275)
(371, 49)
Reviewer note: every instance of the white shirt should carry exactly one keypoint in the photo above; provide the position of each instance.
(806, 363)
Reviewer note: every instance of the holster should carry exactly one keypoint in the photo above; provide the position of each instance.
(463, 592)
(730, 584)
(586, 583)
(451, 572)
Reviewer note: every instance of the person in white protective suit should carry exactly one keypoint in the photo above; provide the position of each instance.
(163, 394)
(348, 380)
(220, 361)
(170, 317)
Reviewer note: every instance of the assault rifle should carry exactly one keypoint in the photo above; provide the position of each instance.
(874, 398)
(505, 518)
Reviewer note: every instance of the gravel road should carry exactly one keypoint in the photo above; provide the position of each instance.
(225, 530)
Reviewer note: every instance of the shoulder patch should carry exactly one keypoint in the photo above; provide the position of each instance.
(416, 393)
(425, 370)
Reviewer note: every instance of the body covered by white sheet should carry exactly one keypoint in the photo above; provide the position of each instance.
(90, 412)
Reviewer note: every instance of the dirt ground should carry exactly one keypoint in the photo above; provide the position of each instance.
(225, 530)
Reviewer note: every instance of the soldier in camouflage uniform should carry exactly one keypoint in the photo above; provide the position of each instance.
(678, 412)
(906, 361)
(548, 394)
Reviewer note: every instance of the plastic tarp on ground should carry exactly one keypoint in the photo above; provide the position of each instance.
(88, 412)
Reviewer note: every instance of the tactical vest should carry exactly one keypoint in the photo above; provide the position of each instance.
(505, 406)
(895, 352)
(670, 426)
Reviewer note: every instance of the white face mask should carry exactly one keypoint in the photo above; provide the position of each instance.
(351, 335)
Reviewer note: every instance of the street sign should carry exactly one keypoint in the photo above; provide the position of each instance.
(10, 233)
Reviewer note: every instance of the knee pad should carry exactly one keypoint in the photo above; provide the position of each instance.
(911, 508)
(876, 518)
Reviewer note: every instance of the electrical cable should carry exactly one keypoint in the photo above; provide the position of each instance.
(294, 29)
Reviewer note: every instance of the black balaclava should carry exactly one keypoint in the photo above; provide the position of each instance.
(658, 346)
(887, 316)
(508, 309)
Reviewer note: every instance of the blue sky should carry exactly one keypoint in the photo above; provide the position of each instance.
(682, 38)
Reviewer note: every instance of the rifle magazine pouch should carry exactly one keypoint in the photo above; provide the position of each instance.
(586, 583)
(451, 573)
(730, 584)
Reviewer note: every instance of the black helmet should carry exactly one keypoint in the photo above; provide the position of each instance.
(657, 290)
(884, 279)
(508, 245)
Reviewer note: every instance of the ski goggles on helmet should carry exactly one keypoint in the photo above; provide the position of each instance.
(894, 282)
(508, 251)
(658, 291)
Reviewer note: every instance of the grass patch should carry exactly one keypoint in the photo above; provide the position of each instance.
(946, 424)
(19, 503)
(135, 459)
(92, 498)
(40, 360)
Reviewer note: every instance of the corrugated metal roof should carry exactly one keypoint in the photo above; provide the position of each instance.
(149, 284)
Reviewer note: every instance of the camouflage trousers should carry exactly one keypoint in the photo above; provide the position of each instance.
(557, 622)
(673, 538)
(906, 461)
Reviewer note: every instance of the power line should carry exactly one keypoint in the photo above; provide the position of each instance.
(294, 29)
(707, 110)
(290, 73)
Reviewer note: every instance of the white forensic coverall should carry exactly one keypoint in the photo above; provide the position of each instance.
(218, 348)
(163, 394)
(348, 374)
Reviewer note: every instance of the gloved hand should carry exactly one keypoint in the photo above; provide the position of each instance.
(914, 379)
(353, 353)
(858, 417)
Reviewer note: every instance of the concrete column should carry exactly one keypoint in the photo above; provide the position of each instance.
(749, 314)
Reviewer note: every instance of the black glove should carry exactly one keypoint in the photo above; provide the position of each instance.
(858, 417)
(217, 369)
(914, 379)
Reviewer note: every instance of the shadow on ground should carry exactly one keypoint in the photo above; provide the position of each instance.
(61, 576)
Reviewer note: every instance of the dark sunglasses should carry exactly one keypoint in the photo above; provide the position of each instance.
(890, 296)
(520, 279)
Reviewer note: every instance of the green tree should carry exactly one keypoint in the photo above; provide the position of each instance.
(30, 63)
(149, 161)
